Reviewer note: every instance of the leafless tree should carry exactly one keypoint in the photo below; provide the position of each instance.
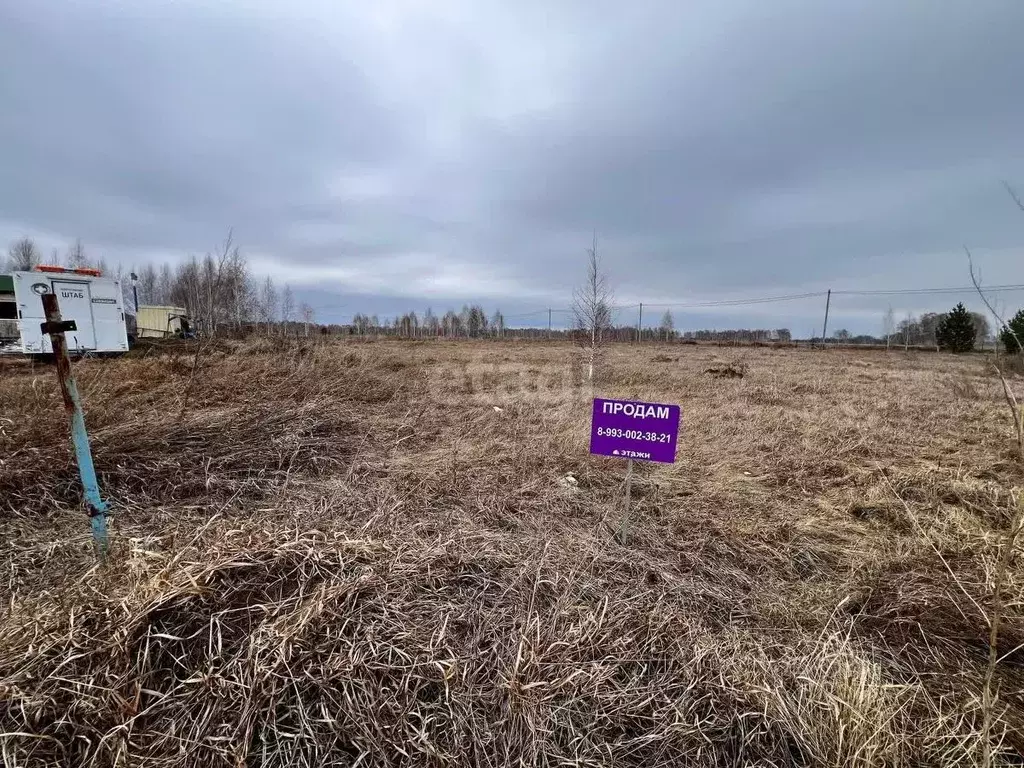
(186, 289)
(237, 291)
(498, 323)
(982, 329)
(223, 298)
(164, 285)
(888, 326)
(451, 323)
(591, 309)
(216, 291)
(667, 326)
(287, 306)
(147, 284)
(307, 315)
(268, 303)
(431, 324)
(76, 257)
(210, 280)
(976, 280)
(205, 287)
(474, 320)
(202, 287)
(23, 255)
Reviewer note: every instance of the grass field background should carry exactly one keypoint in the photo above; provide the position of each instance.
(401, 553)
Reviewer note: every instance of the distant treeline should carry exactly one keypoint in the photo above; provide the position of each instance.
(221, 295)
(472, 322)
(921, 330)
(217, 290)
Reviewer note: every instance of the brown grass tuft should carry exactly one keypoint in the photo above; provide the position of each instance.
(342, 554)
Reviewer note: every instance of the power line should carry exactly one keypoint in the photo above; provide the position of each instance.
(741, 302)
(932, 291)
(529, 314)
(751, 301)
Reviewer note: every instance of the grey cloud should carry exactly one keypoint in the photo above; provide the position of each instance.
(933, 98)
(161, 130)
(717, 149)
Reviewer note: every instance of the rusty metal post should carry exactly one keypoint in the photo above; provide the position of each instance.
(55, 328)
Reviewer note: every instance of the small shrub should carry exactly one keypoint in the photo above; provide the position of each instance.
(964, 388)
(1012, 364)
(765, 394)
(729, 371)
(489, 380)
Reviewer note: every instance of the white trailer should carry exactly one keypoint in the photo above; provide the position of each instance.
(94, 302)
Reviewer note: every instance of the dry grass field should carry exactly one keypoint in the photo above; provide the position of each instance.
(402, 554)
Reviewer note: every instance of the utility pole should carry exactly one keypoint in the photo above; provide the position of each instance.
(824, 328)
(640, 325)
(549, 323)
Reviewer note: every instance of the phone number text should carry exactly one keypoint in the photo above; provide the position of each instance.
(635, 434)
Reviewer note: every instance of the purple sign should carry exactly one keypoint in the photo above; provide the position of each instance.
(631, 430)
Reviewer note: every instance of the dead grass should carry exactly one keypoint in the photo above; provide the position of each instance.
(369, 554)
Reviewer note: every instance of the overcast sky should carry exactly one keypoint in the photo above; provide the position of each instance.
(383, 156)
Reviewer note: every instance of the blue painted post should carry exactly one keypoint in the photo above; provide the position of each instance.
(97, 510)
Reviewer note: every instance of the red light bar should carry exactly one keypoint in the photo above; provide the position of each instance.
(49, 268)
(87, 271)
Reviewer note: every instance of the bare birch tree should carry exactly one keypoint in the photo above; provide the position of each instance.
(451, 323)
(307, 315)
(888, 326)
(268, 303)
(164, 285)
(23, 255)
(287, 306)
(206, 287)
(431, 324)
(147, 284)
(238, 289)
(668, 325)
(76, 257)
(591, 309)
(498, 323)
